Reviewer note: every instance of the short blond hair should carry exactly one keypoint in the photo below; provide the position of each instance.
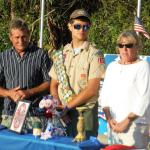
(130, 34)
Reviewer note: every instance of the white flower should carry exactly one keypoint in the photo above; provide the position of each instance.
(48, 103)
(42, 104)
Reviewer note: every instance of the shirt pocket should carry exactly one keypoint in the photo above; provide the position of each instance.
(83, 76)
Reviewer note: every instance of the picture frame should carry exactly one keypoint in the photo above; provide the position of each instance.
(19, 116)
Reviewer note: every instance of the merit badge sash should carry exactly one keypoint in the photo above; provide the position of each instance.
(58, 62)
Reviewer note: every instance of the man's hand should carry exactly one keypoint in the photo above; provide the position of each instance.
(16, 94)
(23, 94)
(64, 111)
(64, 118)
(13, 95)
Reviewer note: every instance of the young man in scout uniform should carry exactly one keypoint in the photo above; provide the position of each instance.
(84, 68)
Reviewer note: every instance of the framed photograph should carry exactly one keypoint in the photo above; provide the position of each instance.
(20, 115)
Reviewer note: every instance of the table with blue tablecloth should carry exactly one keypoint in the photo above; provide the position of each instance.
(13, 141)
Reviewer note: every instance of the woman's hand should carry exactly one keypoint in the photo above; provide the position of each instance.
(122, 126)
(112, 123)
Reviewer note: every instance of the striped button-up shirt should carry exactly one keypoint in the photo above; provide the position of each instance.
(26, 72)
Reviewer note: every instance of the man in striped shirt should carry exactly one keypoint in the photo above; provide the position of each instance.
(24, 69)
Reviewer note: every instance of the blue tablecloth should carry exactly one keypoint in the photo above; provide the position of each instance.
(14, 141)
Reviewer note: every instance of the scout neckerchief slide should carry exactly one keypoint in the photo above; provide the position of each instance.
(58, 62)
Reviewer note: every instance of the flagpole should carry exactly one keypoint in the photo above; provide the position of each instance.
(138, 11)
(41, 23)
(139, 8)
(138, 25)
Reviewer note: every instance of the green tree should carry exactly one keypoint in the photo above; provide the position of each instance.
(114, 17)
(109, 19)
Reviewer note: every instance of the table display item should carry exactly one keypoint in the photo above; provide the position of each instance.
(37, 129)
(54, 125)
(80, 125)
(19, 115)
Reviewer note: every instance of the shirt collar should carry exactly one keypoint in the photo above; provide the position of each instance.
(84, 46)
(27, 49)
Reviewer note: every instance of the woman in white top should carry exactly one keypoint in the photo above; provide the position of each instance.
(125, 94)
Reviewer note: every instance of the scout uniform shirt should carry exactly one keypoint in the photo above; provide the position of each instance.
(81, 67)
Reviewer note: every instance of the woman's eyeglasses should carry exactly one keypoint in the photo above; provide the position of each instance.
(79, 26)
(130, 45)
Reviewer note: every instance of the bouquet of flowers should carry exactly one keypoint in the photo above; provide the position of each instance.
(54, 126)
(48, 105)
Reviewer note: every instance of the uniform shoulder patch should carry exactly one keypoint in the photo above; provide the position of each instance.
(100, 57)
(101, 60)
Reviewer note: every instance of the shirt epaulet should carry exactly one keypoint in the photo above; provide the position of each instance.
(67, 47)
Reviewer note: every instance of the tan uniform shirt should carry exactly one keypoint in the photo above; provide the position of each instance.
(80, 68)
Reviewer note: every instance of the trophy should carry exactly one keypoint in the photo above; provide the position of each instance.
(80, 125)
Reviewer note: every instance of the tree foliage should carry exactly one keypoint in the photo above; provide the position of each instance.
(114, 17)
(109, 19)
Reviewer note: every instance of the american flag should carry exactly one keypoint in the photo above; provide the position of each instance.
(138, 27)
